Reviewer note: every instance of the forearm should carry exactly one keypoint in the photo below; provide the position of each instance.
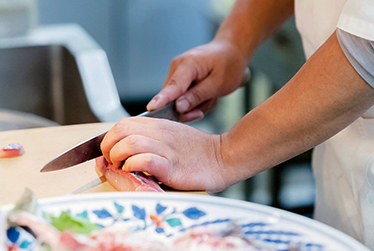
(325, 96)
(251, 22)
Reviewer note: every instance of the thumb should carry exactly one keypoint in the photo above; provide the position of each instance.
(176, 84)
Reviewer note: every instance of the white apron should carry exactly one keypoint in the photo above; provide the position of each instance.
(343, 166)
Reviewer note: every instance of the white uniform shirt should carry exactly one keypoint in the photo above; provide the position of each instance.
(357, 18)
(343, 166)
(316, 20)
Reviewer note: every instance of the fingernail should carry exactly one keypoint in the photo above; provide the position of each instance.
(182, 105)
(199, 115)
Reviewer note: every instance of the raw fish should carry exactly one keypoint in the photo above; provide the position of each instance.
(122, 235)
(125, 181)
(113, 238)
(12, 150)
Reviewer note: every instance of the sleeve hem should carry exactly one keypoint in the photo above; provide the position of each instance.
(360, 54)
(356, 26)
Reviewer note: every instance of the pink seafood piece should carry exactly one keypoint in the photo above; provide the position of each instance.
(61, 241)
(12, 150)
(204, 239)
(125, 181)
(112, 238)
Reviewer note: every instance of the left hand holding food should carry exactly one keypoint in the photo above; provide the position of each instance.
(180, 156)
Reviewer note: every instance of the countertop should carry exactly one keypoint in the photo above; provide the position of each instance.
(41, 145)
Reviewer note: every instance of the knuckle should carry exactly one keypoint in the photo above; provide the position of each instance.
(126, 122)
(112, 155)
(118, 127)
(186, 58)
(149, 161)
(164, 128)
(122, 122)
(196, 95)
(171, 82)
(131, 141)
(190, 60)
(104, 148)
(175, 62)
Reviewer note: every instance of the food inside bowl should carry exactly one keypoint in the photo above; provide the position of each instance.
(66, 231)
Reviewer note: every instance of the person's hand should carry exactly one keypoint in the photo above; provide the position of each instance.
(199, 76)
(180, 156)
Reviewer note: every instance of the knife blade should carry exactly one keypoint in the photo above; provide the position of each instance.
(90, 148)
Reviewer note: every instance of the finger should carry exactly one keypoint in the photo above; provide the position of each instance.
(132, 145)
(199, 112)
(196, 95)
(177, 82)
(208, 105)
(191, 116)
(122, 129)
(151, 163)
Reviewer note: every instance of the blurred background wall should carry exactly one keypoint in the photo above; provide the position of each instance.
(140, 37)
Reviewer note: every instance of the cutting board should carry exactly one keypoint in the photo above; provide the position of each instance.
(41, 145)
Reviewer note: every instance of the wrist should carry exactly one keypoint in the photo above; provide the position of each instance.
(232, 170)
(232, 53)
(251, 22)
(241, 45)
(238, 160)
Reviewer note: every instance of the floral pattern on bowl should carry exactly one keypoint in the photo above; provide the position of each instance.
(167, 216)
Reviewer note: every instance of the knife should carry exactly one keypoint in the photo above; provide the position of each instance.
(90, 148)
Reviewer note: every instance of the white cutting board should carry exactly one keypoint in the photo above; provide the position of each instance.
(41, 145)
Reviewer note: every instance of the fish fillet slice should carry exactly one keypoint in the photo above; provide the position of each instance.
(125, 181)
(12, 150)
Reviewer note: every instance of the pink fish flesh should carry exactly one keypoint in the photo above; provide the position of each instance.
(125, 181)
(122, 237)
(12, 150)
(112, 238)
(59, 241)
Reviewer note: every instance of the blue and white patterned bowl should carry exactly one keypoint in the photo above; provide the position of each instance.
(169, 215)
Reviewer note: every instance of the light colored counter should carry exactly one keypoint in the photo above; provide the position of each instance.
(41, 145)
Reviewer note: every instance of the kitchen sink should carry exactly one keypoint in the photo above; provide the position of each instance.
(59, 73)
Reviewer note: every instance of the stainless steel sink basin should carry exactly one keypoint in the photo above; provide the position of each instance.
(60, 73)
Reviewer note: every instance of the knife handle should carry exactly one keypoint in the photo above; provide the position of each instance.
(169, 111)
